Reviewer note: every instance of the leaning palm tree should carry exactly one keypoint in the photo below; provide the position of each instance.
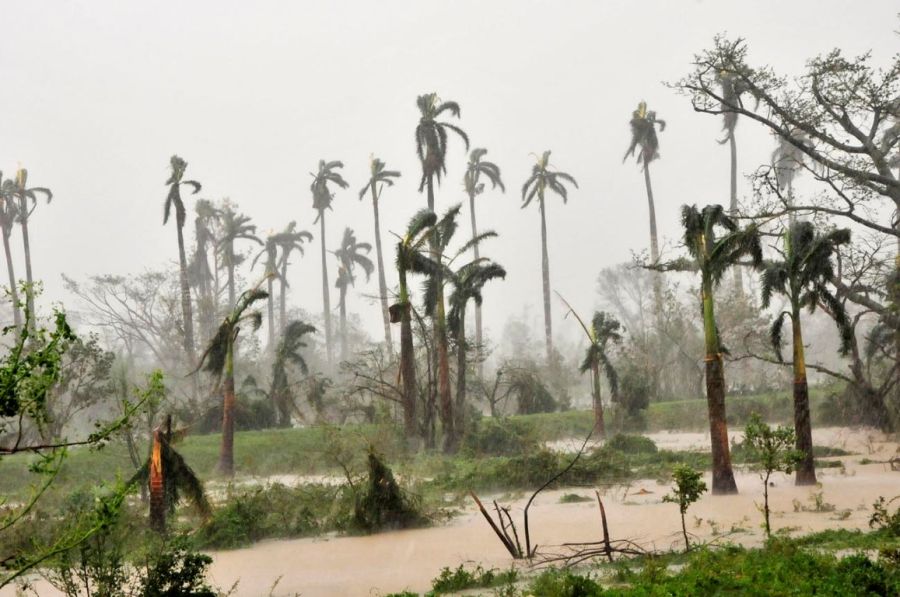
(218, 359)
(472, 182)
(167, 474)
(8, 215)
(410, 257)
(468, 281)
(541, 179)
(643, 135)
(288, 353)
(431, 140)
(235, 227)
(25, 197)
(603, 332)
(322, 198)
(349, 255)
(802, 276)
(378, 177)
(270, 252)
(173, 199)
(288, 240)
(712, 256)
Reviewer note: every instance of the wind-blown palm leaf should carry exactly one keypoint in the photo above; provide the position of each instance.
(431, 135)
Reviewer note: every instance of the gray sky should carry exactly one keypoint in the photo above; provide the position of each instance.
(98, 95)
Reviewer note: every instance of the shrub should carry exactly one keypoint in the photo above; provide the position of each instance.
(460, 579)
(632, 444)
(498, 437)
(382, 504)
(563, 583)
(882, 518)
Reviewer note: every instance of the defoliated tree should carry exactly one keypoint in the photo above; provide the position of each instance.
(322, 197)
(712, 256)
(410, 257)
(349, 255)
(378, 178)
(543, 178)
(218, 359)
(477, 168)
(803, 276)
(173, 199)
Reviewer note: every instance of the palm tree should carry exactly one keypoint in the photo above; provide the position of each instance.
(270, 251)
(467, 282)
(732, 89)
(23, 213)
(322, 198)
(604, 331)
(289, 240)
(166, 474)
(218, 359)
(8, 216)
(378, 177)
(431, 140)
(173, 199)
(288, 352)
(787, 160)
(803, 276)
(349, 255)
(235, 227)
(199, 272)
(643, 134)
(410, 258)
(541, 179)
(712, 257)
(474, 187)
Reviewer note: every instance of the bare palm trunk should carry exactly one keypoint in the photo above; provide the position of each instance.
(271, 311)
(382, 284)
(732, 210)
(654, 245)
(342, 306)
(13, 291)
(186, 310)
(326, 301)
(232, 295)
(29, 296)
(461, 370)
(226, 454)
(722, 475)
(282, 298)
(806, 469)
(545, 271)
(599, 424)
(407, 360)
(479, 339)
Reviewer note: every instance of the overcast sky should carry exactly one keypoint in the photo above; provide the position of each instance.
(98, 94)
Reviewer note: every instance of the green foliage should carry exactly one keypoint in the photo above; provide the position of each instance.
(635, 388)
(382, 504)
(498, 437)
(883, 519)
(772, 450)
(460, 579)
(632, 444)
(564, 583)
(573, 498)
(689, 486)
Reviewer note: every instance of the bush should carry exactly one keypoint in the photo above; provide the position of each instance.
(563, 583)
(382, 504)
(883, 519)
(632, 444)
(453, 581)
(498, 437)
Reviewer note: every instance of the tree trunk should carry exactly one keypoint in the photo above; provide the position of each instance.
(461, 372)
(382, 283)
(157, 486)
(13, 291)
(732, 210)
(342, 306)
(445, 396)
(722, 475)
(283, 299)
(270, 303)
(29, 296)
(545, 271)
(407, 361)
(599, 424)
(186, 310)
(806, 469)
(479, 338)
(226, 454)
(654, 246)
(326, 301)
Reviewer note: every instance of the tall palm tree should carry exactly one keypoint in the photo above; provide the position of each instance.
(270, 251)
(787, 161)
(26, 196)
(541, 179)
(472, 182)
(468, 282)
(235, 227)
(349, 255)
(378, 177)
(288, 240)
(218, 359)
(712, 256)
(199, 273)
(603, 332)
(643, 135)
(8, 215)
(410, 257)
(322, 198)
(288, 353)
(803, 276)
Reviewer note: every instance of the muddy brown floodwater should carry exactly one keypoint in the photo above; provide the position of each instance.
(408, 560)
